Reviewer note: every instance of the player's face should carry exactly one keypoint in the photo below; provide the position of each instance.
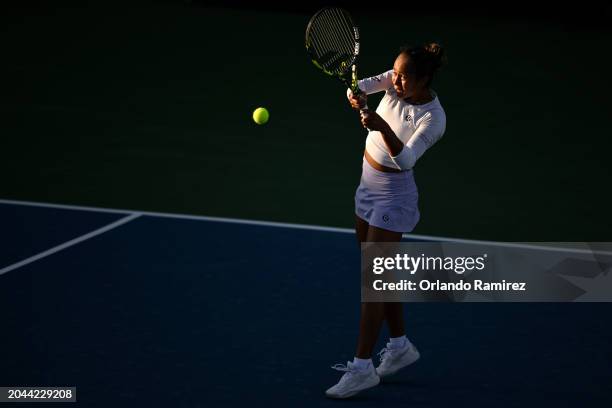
(403, 82)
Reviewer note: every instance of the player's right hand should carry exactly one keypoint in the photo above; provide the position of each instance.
(357, 102)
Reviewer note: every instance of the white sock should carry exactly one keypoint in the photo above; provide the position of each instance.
(398, 342)
(362, 363)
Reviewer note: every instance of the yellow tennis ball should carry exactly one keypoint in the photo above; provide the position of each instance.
(261, 116)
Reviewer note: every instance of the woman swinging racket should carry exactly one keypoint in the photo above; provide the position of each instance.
(407, 122)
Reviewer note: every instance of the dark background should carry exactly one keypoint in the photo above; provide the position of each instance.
(147, 105)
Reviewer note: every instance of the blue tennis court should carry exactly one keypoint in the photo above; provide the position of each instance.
(142, 309)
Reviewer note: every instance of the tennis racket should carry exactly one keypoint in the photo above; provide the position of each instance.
(332, 41)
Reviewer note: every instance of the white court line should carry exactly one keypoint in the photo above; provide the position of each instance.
(182, 216)
(299, 226)
(70, 243)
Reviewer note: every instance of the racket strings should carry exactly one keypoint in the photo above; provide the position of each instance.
(332, 39)
(320, 33)
(333, 46)
(335, 31)
(347, 31)
(342, 43)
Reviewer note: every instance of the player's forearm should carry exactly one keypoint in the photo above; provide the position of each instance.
(377, 83)
(394, 145)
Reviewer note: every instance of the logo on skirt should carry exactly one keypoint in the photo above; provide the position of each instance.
(385, 218)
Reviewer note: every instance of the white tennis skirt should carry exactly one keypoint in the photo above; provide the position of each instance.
(387, 200)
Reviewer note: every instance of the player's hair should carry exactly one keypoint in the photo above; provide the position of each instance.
(425, 60)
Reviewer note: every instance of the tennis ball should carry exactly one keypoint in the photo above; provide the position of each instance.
(261, 116)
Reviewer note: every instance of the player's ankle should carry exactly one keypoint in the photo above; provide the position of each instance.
(398, 342)
(362, 363)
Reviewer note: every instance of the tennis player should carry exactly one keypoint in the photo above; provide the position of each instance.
(407, 122)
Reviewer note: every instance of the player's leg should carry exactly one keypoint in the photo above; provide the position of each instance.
(399, 352)
(361, 229)
(373, 313)
(393, 311)
(360, 374)
(394, 316)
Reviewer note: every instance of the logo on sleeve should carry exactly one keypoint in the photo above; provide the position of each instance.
(376, 78)
(385, 218)
(408, 118)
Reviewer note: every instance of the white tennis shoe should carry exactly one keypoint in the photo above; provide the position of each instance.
(353, 381)
(394, 359)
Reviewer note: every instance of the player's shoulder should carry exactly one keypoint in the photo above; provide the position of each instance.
(433, 116)
(435, 110)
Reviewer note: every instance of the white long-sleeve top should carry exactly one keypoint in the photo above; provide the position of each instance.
(418, 126)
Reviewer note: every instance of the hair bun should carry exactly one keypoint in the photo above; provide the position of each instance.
(433, 48)
(436, 52)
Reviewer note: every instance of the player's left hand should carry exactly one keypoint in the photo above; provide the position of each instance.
(372, 120)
